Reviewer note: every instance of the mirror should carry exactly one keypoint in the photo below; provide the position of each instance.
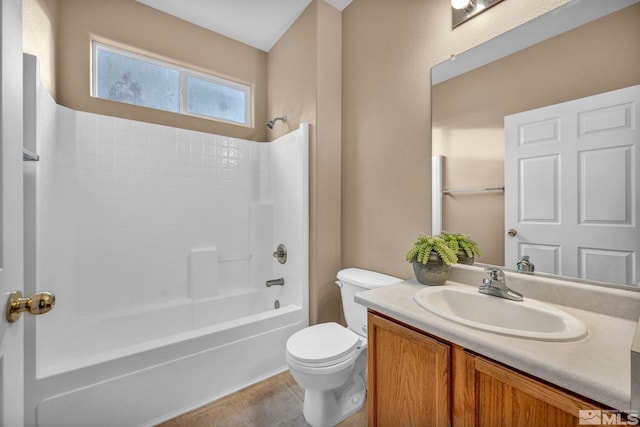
(580, 49)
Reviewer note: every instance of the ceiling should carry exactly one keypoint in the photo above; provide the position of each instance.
(258, 23)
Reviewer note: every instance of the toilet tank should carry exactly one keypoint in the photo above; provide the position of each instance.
(353, 280)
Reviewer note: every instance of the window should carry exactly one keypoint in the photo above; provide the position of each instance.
(123, 76)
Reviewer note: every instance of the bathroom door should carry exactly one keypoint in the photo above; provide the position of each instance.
(11, 255)
(571, 187)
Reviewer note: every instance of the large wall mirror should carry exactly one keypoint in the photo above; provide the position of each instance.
(584, 48)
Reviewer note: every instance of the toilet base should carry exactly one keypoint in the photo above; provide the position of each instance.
(328, 408)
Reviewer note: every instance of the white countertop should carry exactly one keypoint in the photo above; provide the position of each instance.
(597, 367)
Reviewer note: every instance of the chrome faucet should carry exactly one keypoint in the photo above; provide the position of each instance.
(496, 285)
(525, 265)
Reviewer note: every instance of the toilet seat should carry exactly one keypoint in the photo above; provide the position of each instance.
(323, 345)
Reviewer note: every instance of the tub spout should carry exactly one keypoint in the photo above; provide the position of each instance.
(275, 282)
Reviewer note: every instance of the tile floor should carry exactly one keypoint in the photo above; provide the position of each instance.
(276, 401)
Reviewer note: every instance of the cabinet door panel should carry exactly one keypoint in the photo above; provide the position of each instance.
(409, 377)
(504, 397)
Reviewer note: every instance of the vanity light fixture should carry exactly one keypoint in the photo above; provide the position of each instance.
(460, 4)
(463, 10)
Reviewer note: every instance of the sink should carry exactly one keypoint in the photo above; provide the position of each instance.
(525, 319)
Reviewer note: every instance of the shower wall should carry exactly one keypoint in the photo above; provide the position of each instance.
(157, 242)
(147, 196)
(132, 214)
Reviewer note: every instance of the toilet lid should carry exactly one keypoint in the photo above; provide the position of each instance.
(321, 343)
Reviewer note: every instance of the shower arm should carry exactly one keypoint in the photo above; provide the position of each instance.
(272, 122)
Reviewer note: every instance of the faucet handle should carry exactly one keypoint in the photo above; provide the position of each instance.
(525, 265)
(496, 285)
(495, 273)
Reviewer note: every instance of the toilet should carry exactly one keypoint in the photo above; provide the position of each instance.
(330, 361)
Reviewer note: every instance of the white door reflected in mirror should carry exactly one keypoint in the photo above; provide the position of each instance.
(570, 187)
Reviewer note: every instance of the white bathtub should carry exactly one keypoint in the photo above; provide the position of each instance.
(120, 371)
(114, 210)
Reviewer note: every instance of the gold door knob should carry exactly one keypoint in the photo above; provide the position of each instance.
(39, 303)
(512, 232)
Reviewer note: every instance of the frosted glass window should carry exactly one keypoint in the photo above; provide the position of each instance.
(123, 76)
(209, 98)
(125, 79)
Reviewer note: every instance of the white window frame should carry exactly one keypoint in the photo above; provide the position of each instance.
(185, 73)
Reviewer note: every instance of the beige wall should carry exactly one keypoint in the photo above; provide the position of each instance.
(129, 23)
(385, 139)
(388, 52)
(38, 38)
(444, 42)
(468, 130)
(304, 82)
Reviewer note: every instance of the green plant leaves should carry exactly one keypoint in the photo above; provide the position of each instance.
(428, 244)
(446, 245)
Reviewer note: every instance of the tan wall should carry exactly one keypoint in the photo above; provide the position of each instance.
(468, 130)
(39, 20)
(305, 85)
(327, 177)
(502, 17)
(388, 52)
(129, 23)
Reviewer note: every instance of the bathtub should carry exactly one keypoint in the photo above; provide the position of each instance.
(121, 371)
(157, 243)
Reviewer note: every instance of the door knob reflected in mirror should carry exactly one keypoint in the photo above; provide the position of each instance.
(39, 303)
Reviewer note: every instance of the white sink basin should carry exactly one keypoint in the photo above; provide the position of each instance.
(525, 319)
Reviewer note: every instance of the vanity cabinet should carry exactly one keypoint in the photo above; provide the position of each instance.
(419, 380)
(409, 376)
(492, 395)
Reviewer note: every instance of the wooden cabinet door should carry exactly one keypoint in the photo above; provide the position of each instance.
(497, 396)
(409, 377)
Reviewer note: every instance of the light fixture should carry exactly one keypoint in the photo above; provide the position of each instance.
(463, 10)
(460, 4)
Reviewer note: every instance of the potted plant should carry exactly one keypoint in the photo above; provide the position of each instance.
(431, 257)
(465, 248)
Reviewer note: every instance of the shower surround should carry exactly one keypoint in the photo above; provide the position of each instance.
(157, 242)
